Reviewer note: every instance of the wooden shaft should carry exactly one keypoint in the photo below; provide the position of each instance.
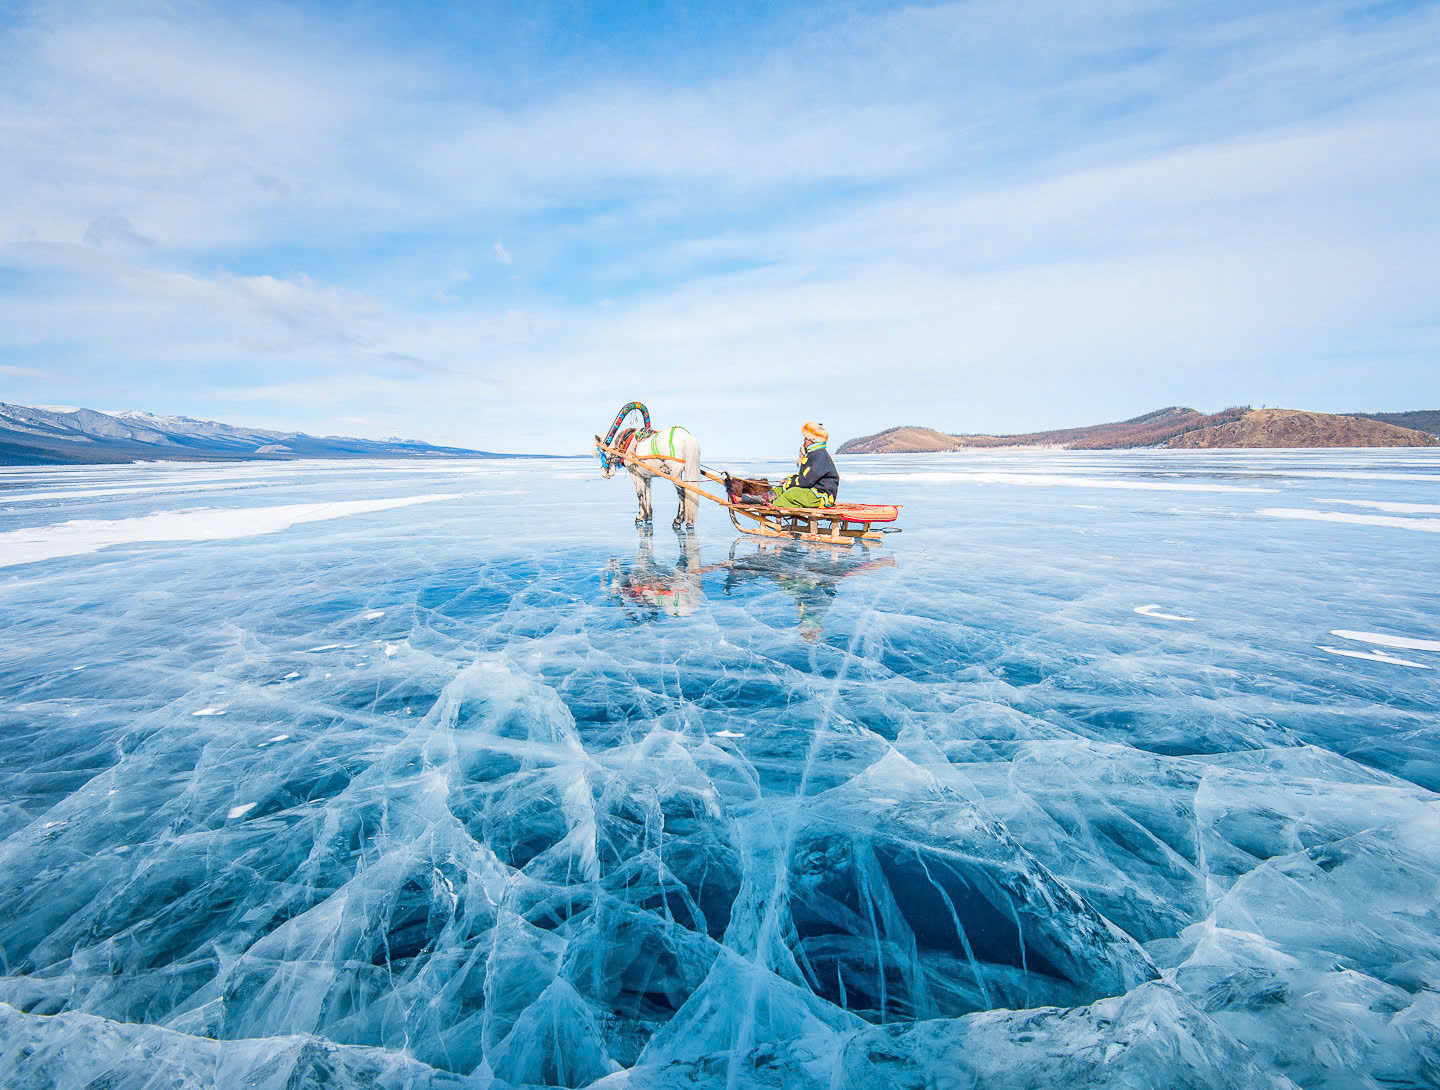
(679, 482)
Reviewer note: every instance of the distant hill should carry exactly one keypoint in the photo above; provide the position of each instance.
(1292, 428)
(1426, 420)
(1149, 430)
(1178, 427)
(82, 436)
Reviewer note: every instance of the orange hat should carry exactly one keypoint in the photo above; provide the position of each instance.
(812, 430)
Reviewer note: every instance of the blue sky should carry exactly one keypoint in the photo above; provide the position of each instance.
(493, 226)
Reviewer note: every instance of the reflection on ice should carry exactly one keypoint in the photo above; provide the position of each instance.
(810, 574)
(649, 590)
(484, 793)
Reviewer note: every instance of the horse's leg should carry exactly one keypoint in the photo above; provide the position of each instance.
(642, 498)
(681, 495)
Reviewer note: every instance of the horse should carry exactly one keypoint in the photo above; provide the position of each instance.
(673, 450)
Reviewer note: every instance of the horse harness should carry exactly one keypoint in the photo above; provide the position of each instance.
(662, 444)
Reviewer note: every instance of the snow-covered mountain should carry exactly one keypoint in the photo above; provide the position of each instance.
(210, 430)
(37, 436)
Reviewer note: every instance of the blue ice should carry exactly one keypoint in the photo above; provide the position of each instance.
(1111, 769)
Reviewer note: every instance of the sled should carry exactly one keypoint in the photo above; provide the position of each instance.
(839, 524)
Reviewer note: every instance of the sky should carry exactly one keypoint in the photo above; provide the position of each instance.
(492, 225)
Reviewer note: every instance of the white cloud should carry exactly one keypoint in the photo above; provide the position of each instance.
(114, 231)
(1087, 205)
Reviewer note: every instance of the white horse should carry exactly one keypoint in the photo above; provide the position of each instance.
(673, 450)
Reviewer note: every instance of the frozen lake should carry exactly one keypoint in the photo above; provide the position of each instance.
(1110, 769)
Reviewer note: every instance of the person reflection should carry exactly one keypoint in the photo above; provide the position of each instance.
(810, 574)
(649, 591)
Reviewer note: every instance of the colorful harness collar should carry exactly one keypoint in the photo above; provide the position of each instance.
(631, 435)
(615, 427)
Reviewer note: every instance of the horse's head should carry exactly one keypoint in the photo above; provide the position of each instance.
(607, 467)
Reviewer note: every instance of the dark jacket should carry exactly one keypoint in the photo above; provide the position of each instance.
(817, 471)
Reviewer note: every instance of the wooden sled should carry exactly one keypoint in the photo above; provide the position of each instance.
(839, 524)
(842, 524)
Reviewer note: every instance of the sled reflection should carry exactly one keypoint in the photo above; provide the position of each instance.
(649, 590)
(810, 574)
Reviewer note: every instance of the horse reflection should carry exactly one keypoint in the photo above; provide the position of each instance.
(649, 591)
(811, 575)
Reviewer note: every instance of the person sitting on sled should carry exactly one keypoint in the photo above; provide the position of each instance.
(818, 482)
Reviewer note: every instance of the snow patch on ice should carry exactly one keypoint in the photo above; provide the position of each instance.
(1361, 475)
(106, 493)
(1372, 656)
(210, 711)
(80, 536)
(1048, 480)
(1154, 611)
(1431, 526)
(1406, 642)
(1393, 506)
(240, 811)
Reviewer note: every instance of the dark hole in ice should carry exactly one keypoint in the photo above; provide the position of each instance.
(553, 913)
(856, 920)
(523, 822)
(992, 931)
(422, 908)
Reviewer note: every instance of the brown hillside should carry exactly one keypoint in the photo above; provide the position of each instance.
(1148, 430)
(1426, 420)
(899, 441)
(1293, 428)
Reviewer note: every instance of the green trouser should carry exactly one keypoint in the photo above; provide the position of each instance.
(795, 496)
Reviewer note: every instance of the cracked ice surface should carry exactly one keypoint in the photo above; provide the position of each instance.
(457, 781)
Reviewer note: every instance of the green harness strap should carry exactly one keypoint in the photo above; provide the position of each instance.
(670, 437)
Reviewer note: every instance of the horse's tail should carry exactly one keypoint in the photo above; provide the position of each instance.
(692, 474)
